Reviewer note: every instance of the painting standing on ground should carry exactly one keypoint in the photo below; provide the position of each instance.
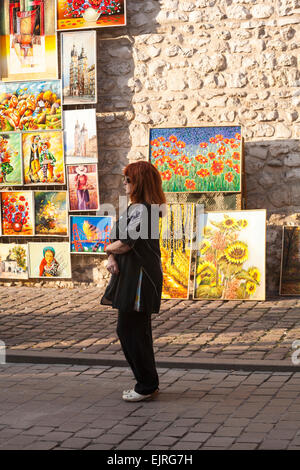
(79, 67)
(80, 136)
(230, 263)
(175, 244)
(10, 160)
(89, 234)
(43, 157)
(83, 187)
(51, 213)
(13, 261)
(27, 106)
(290, 261)
(49, 260)
(28, 40)
(74, 14)
(17, 213)
(198, 159)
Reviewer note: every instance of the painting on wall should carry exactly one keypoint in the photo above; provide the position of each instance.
(51, 215)
(17, 213)
(13, 261)
(83, 187)
(43, 158)
(80, 136)
(74, 14)
(49, 260)
(10, 160)
(290, 261)
(79, 67)
(89, 234)
(27, 106)
(175, 244)
(28, 40)
(197, 159)
(230, 262)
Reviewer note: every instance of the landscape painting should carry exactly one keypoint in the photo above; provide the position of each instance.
(49, 260)
(83, 187)
(51, 215)
(17, 214)
(290, 261)
(13, 261)
(11, 160)
(80, 136)
(89, 234)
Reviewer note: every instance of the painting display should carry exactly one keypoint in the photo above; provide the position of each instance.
(43, 158)
(10, 160)
(197, 159)
(78, 67)
(230, 263)
(49, 260)
(28, 40)
(89, 234)
(13, 261)
(51, 216)
(175, 244)
(290, 261)
(80, 136)
(83, 187)
(74, 14)
(17, 214)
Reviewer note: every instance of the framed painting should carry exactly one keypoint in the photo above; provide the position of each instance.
(231, 255)
(28, 40)
(13, 261)
(89, 234)
(80, 136)
(197, 159)
(79, 67)
(51, 214)
(17, 214)
(30, 106)
(72, 14)
(49, 260)
(83, 187)
(175, 244)
(290, 261)
(43, 158)
(11, 160)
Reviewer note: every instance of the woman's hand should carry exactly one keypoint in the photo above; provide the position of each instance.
(112, 265)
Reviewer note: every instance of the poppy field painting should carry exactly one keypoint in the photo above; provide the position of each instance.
(197, 159)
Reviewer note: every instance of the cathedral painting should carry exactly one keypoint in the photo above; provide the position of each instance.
(78, 65)
(80, 136)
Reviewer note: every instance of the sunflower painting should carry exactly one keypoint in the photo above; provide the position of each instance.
(230, 263)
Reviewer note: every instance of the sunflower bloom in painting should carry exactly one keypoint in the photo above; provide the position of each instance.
(236, 253)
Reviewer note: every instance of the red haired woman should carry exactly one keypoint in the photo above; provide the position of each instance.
(135, 287)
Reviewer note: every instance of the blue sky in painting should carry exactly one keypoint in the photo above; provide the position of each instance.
(195, 135)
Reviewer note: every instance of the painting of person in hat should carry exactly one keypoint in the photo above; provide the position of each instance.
(34, 162)
(47, 161)
(81, 184)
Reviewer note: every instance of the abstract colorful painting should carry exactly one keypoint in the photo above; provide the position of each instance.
(89, 234)
(175, 245)
(17, 213)
(290, 261)
(51, 215)
(74, 14)
(49, 260)
(79, 67)
(83, 187)
(13, 261)
(10, 160)
(28, 40)
(43, 158)
(198, 159)
(30, 106)
(80, 136)
(230, 263)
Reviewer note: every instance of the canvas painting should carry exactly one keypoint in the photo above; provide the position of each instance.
(17, 213)
(198, 159)
(89, 234)
(79, 67)
(83, 187)
(10, 160)
(30, 106)
(74, 14)
(43, 158)
(175, 245)
(49, 260)
(230, 263)
(290, 261)
(51, 215)
(28, 40)
(80, 136)
(13, 261)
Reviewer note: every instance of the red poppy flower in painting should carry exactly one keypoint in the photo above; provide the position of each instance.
(159, 162)
(211, 155)
(180, 144)
(203, 145)
(217, 167)
(238, 136)
(229, 177)
(226, 141)
(174, 151)
(190, 184)
(155, 154)
(236, 155)
(184, 172)
(234, 146)
(173, 139)
(213, 140)
(222, 150)
(232, 141)
(236, 168)
(219, 137)
(201, 159)
(161, 152)
(166, 175)
(166, 144)
(155, 143)
(161, 139)
(173, 164)
(203, 173)
(229, 163)
(185, 159)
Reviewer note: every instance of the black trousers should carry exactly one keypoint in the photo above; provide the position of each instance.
(135, 333)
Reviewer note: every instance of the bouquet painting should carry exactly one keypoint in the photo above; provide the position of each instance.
(17, 212)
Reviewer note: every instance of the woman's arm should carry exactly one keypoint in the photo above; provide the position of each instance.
(117, 248)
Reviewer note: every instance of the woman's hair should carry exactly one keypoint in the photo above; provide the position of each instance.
(146, 183)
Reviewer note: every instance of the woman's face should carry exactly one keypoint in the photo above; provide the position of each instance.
(127, 185)
(49, 257)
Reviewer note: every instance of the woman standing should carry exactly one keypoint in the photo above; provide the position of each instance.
(136, 283)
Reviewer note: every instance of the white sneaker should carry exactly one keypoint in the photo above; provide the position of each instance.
(132, 395)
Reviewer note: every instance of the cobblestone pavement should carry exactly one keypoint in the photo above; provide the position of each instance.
(77, 407)
(72, 320)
